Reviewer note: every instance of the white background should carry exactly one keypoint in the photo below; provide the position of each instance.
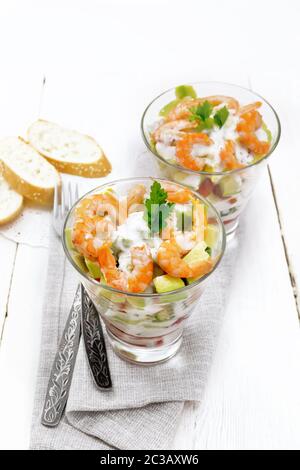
(104, 61)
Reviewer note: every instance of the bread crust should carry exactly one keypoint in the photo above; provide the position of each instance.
(97, 169)
(12, 216)
(16, 212)
(33, 192)
(37, 194)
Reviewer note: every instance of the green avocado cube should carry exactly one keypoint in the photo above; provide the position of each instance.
(267, 131)
(167, 283)
(115, 298)
(94, 268)
(198, 253)
(79, 260)
(157, 271)
(125, 320)
(229, 186)
(68, 238)
(182, 91)
(163, 315)
(168, 107)
(211, 235)
(140, 302)
(137, 302)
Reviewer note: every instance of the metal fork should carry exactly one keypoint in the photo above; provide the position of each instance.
(64, 199)
(82, 317)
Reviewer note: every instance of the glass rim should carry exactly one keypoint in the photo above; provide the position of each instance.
(211, 173)
(143, 294)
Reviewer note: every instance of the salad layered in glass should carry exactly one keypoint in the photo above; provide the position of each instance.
(143, 248)
(211, 137)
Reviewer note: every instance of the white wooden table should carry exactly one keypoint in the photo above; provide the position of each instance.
(104, 60)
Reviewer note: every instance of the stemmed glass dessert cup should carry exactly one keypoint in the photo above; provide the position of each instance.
(228, 191)
(145, 328)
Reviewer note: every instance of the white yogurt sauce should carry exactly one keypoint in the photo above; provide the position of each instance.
(185, 178)
(210, 155)
(261, 134)
(199, 150)
(219, 136)
(168, 152)
(134, 232)
(242, 154)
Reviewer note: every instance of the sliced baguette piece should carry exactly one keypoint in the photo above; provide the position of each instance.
(26, 171)
(69, 151)
(11, 202)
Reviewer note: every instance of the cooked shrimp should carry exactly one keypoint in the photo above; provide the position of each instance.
(182, 110)
(135, 197)
(142, 273)
(252, 143)
(230, 102)
(131, 202)
(250, 107)
(89, 234)
(176, 193)
(98, 205)
(187, 239)
(184, 147)
(138, 279)
(169, 132)
(169, 258)
(228, 156)
(249, 123)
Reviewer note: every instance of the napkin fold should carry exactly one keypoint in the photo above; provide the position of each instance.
(144, 406)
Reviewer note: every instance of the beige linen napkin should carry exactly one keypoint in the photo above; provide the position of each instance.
(144, 406)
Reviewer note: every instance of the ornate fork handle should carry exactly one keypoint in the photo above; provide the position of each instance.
(63, 366)
(94, 342)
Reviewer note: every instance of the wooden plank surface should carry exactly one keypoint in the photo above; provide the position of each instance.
(283, 90)
(7, 253)
(252, 396)
(20, 345)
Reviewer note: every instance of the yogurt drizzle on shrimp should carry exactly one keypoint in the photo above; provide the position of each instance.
(208, 144)
(114, 233)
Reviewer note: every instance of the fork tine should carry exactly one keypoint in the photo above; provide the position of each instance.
(55, 202)
(62, 201)
(70, 195)
(76, 193)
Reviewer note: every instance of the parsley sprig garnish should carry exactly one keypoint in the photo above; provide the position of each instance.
(201, 112)
(221, 116)
(202, 115)
(157, 208)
